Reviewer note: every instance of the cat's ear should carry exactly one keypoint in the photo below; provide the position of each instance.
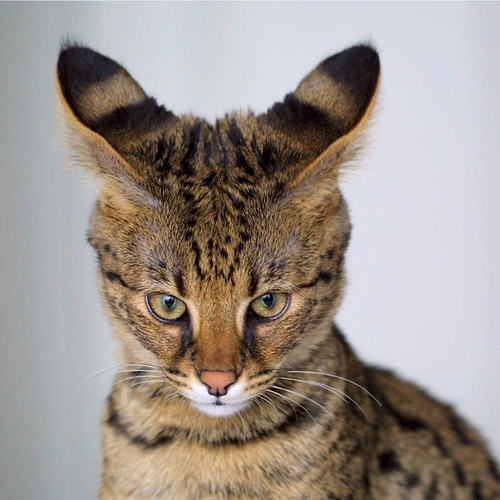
(107, 112)
(329, 108)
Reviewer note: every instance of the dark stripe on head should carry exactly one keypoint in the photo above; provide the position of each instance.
(192, 142)
(235, 136)
(115, 277)
(179, 282)
(324, 276)
(254, 283)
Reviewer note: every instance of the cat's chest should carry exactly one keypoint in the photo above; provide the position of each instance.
(286, 467)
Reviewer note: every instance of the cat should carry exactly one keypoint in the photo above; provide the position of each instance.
(221, 266)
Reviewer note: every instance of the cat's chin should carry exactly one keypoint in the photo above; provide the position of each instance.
(220, 410)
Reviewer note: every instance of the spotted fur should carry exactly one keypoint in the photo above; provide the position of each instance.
(220, 402)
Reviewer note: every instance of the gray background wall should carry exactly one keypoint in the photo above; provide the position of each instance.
(424, 266)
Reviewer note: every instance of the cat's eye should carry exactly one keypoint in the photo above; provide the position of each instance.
(165, 307)
(270, 305)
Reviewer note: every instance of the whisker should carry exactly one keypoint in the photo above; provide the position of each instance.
(146, 378)
(290, 400)
(303, 396)
(140, 370)
(339, 393)
(139, 366)
(339, 378)
(255, 399)
(268, 400)
(271, 402)
(342, 395)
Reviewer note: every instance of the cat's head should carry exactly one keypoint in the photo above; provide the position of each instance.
(220, 246)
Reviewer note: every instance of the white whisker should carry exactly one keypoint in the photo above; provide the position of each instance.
(290, 400)
(345, 397)
(339, 378)
(303, 396)
(138, 366)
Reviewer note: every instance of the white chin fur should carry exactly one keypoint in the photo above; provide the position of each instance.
(230, 404)
(224, 410)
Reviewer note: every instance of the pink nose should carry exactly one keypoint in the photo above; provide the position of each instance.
(217, 381)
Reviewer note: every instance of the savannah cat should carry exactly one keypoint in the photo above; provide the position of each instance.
(221, 250)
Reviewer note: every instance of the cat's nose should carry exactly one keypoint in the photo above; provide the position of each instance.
(218, 381)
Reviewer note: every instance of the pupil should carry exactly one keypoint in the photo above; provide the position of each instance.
(268, 299)
(169, 301)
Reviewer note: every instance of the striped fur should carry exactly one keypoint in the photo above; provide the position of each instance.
(220, 401)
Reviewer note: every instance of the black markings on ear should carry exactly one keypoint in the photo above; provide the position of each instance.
(145, 116)
(79, 68)
(357, 68)
(298, 117)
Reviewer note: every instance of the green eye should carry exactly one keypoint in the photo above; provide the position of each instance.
(165, 307)
(270, 305)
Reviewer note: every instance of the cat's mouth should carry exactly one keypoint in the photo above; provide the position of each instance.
(230, 404)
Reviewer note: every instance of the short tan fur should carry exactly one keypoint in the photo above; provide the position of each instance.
(221, 250)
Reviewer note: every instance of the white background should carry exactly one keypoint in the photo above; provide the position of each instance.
(424, 262)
